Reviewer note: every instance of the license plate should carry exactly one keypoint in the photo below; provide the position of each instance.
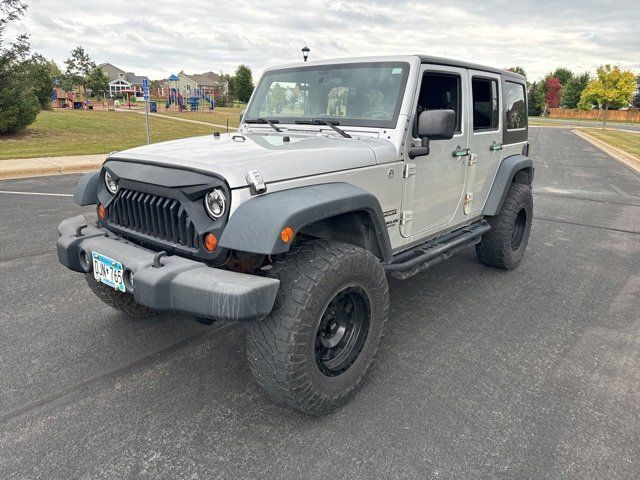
(108, 271)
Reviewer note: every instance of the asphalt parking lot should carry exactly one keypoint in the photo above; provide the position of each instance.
(532, 373)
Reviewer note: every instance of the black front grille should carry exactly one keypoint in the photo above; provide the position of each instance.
(153, 216)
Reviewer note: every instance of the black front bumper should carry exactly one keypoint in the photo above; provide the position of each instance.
(177, 284)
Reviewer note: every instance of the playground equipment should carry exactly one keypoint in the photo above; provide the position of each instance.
(196, 101)
(199, 100)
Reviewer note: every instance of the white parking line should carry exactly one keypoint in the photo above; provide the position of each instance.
(38, 193)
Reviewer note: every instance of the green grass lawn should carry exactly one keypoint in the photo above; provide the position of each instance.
(626, 141)
(218, 116)
(536, 120)
(69, 132)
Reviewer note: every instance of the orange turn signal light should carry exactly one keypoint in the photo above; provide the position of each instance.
(102, 212)
(210, 242)
(286, 234)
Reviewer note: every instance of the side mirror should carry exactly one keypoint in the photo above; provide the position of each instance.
(242, 112)
(433, 125)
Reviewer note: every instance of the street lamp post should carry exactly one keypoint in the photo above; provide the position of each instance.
(305, 52)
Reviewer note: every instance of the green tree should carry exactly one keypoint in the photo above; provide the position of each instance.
(79, 65)
(231, 91)
(19, 104)
(277, 98)
(636, 100)
(534, 107)
(613, 88)
(518, 69)
(540, 97)
(243, 83)
(97, 81)
(573, 90)
(40, 70)
(154, 88)
(10, 10)
(562, 74)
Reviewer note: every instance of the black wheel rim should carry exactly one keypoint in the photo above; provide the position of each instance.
(342, 331)
(517, 234)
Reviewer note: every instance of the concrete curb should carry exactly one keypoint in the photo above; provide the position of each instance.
(620, 155)
(33, 167)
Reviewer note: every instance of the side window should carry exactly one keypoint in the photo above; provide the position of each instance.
(440, 91)
(486, 108)
(515, 105)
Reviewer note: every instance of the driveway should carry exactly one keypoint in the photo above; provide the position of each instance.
(532, 373)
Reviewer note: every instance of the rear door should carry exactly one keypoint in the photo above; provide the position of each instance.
(485, 137)
(434, 183)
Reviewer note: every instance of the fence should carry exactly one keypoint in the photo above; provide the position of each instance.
(615, 115)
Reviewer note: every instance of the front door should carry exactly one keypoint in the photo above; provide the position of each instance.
(434, 183)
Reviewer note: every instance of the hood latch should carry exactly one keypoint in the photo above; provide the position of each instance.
(255, 181)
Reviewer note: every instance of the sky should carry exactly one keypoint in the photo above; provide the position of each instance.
(163, 37)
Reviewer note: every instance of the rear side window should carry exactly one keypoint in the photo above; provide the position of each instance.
(486, 107)
(440, 91)
(515, 105)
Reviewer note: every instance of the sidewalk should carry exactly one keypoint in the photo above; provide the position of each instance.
(31, 167)
(177, 119)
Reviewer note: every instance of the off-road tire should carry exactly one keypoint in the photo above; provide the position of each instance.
(118, 300)
(503, 246)
(282, 348)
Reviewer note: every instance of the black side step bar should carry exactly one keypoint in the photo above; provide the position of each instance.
(408, 263)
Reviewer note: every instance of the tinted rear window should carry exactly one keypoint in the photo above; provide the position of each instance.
(515, 105)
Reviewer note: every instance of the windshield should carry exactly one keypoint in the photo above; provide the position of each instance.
(358, 94)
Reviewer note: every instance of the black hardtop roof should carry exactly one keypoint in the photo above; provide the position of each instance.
(459, 63)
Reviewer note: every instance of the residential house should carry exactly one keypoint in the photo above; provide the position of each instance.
(208, 83)
(120, 80)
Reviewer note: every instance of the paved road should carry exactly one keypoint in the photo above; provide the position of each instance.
(533, 373)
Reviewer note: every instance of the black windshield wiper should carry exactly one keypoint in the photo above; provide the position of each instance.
(321, 121)
(271, 123)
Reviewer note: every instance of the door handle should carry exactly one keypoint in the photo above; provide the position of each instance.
(461, 152)
(495, 146)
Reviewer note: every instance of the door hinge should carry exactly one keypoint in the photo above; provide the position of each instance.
(472, 159)
(406, 217)
(468, 200)
(409, 170)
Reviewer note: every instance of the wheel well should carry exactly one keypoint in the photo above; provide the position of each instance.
(355, 228)
(524, 176)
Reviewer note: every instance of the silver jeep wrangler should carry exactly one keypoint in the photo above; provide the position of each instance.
(342, 172)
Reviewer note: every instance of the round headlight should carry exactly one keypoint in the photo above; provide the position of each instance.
(111, 184)
(215, 203)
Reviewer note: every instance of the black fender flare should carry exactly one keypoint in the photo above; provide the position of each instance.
(516, 168)
(86, 192)
(256, 224)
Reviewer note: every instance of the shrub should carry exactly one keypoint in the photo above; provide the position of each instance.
(19, 105)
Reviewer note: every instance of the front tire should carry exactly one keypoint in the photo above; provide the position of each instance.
(314, 350)
(504, 245)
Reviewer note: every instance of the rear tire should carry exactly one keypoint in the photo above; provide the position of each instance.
(123, 302)
(315, 348)
(504, 245)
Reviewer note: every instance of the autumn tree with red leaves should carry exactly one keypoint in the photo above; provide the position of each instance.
(554, 92)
